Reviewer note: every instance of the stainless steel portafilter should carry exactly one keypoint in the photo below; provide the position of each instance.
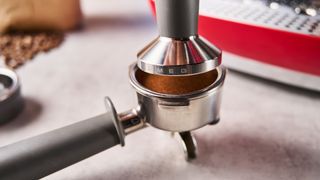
(47, 153)
(179, 55)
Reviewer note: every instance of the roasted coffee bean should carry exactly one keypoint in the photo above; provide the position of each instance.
(19, 47)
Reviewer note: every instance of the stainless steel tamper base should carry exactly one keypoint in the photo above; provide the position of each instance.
(178, 50)
(169, 56)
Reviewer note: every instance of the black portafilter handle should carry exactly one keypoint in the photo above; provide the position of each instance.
(42, 155)
(47, 153)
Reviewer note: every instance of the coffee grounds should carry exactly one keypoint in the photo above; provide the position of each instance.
(19, 47)
(176, 84)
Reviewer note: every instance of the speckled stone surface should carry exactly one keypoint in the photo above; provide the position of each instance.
(267, 130)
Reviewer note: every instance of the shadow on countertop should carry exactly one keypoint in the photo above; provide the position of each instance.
(233, 155)
(32, 109)
(281, 86)
(239, 152)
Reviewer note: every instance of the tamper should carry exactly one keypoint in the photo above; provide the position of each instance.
(179, 50)
(178, 79)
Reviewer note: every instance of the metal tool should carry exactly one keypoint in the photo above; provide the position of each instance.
(11, 101)
(177, 52)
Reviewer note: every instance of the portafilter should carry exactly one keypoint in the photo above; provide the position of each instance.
(178, 79)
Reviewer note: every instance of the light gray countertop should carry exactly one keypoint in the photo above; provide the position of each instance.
(267, 130)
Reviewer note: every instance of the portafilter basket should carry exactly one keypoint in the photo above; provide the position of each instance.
(180, 112)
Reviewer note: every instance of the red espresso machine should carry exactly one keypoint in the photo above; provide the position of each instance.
(269, 40)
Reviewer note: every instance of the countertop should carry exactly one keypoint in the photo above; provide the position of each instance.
(267, 130)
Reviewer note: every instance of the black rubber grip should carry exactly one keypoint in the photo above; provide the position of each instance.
(177, 18)
(42, 155)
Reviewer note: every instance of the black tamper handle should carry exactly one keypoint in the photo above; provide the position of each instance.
(177, 18)
(47, 153)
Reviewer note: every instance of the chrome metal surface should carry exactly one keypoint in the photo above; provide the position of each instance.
(168, 56)
(189, 145)
(126, 122)
(257, 13)
(183, 112)
(132, 120)
(308, 7)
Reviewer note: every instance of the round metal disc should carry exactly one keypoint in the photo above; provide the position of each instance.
(11, 102)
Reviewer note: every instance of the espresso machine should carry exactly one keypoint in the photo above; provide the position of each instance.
(178, 78)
